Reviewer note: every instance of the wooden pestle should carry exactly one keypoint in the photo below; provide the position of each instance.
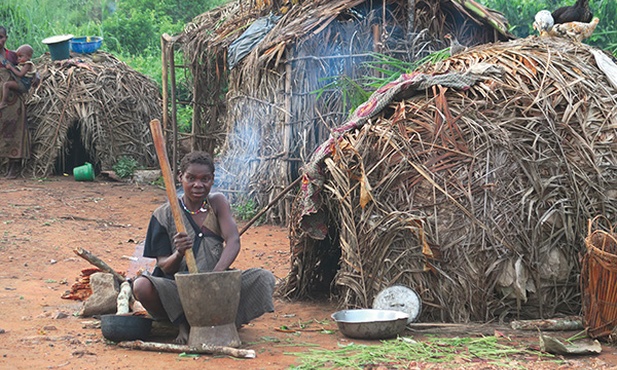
(170, 187)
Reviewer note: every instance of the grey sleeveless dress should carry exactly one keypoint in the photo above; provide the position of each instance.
(257, 284)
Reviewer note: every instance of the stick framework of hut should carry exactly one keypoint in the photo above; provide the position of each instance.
(264, 116)
(470, 181)
(94, 108)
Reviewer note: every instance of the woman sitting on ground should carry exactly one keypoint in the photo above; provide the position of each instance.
(215, 241)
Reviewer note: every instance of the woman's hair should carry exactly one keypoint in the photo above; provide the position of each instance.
(196, 157)
(3, 29)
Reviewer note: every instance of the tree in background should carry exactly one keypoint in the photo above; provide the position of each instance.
(129, 27)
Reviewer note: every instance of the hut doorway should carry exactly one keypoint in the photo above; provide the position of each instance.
(74, 153)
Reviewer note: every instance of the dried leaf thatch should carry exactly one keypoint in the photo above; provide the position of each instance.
(105, 100)
(476, 197)
(270, 118)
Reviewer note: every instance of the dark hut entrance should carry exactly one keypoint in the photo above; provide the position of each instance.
(74, 153)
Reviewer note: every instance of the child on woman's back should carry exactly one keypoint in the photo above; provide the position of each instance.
(23, 73)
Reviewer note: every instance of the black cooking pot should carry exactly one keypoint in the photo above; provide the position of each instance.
(118, 328)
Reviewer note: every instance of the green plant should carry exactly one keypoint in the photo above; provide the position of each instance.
(245, 210)
(160, 182)
(356, 91)
(125, 167)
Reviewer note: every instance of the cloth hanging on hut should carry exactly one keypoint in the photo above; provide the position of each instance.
(250, 38)
(606, 65)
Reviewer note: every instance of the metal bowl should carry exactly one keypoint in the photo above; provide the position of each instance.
(118, 328)
(370, 323)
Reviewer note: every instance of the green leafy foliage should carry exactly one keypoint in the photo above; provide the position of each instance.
(245, 210)
(382, 70)
(129, 27)
(133, 31)
(125, 167)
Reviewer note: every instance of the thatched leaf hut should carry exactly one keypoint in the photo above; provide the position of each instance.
(470, 180)
(262, 114)
(90, 108)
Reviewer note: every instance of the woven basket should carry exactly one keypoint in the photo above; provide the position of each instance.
(599, 280)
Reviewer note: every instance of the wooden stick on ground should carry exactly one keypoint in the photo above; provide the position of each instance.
(558, 324)
(97, 262)
(181, 348)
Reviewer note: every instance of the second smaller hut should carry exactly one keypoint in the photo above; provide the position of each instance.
(90, 108)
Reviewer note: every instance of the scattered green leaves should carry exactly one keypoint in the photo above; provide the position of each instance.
(398, 353)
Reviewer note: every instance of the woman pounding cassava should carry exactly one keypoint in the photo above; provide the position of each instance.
(215, 241)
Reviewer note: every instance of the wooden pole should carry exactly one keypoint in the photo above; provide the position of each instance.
(170, 187)
(287, 136)
(196, 113)
(172, 76)
(411, 14)
(164, 80)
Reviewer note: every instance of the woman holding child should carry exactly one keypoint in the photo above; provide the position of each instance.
(14, 136)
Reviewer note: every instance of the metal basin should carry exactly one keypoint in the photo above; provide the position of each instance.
(118, 328)
(370, 324)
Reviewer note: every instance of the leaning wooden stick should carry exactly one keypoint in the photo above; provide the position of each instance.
(279, 196)
(170, 187)
(182, 348)
(97, 262)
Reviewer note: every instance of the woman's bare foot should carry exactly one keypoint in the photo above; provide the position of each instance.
(183, 334)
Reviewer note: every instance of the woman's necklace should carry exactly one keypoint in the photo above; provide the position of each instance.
(204, 207)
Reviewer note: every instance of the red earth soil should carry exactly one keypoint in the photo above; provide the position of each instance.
(44, 220)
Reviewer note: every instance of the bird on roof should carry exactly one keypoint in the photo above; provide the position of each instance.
(543, 22)
(575, 31)
(455, 46)
(579, 12)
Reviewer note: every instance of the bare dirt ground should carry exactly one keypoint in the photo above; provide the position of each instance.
(43, 221)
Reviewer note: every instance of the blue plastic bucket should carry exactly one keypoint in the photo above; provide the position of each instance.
(84, 173)
(58, 46)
